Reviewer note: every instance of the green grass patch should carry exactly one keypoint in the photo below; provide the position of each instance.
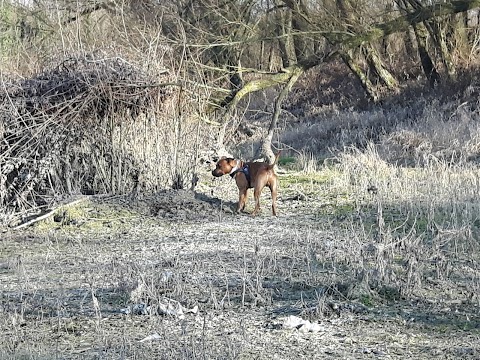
(367, 300)
(287, 161)
(305, 179)
(87, 215)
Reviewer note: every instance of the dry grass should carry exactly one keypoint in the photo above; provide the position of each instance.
(377, 240)
(392, 273)
(430, 212)
(412, 128)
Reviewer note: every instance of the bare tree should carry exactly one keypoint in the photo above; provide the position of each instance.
(346, 37)
(233, 48)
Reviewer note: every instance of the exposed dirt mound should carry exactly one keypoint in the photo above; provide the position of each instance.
(182, 205)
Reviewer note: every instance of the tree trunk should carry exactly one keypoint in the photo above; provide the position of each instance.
(284, 32)
(428, 66)
(347, 9)
(262, 56)
(458, 35)
(234, 66)
(220, 149)
(378, 67)
(266, 145)
(300, 23)
(436, 32)
(360, 74)
(441, 42)
(401, 23)
(421, 35)
(472, 22)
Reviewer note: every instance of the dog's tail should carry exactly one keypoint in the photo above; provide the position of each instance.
(271, 166)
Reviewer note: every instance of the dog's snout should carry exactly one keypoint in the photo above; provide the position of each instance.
(217, 172)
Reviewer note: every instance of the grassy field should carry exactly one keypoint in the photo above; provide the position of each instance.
(383, 260)
(375, 252)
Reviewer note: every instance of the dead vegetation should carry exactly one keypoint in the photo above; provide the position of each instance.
(376, 249)
(370, 257)
(88, 126)
(391, 274)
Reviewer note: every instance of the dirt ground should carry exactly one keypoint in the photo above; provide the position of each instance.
(178, 275)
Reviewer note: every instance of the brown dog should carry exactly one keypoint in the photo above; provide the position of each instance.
(249, 175)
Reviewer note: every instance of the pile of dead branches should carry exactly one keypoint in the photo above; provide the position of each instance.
(57, 128)
(81, 88)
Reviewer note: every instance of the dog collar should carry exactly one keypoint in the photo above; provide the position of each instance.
(235, 169)
(245, 170)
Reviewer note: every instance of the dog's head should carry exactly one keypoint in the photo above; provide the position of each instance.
(225, 166)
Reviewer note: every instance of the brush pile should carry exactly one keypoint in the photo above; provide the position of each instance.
(59, 130)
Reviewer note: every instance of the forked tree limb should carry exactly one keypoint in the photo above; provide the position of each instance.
(267, 82)
(402, 23)
(349, 41)
(266, 146)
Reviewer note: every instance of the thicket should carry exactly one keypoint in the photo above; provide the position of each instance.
(122, 96)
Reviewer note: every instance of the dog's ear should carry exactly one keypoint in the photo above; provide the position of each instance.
(216, 159)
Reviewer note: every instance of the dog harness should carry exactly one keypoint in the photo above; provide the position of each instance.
(244, 169)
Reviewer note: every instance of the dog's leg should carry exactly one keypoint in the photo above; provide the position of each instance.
(273, 190)
(256, 194)
(242, 199)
